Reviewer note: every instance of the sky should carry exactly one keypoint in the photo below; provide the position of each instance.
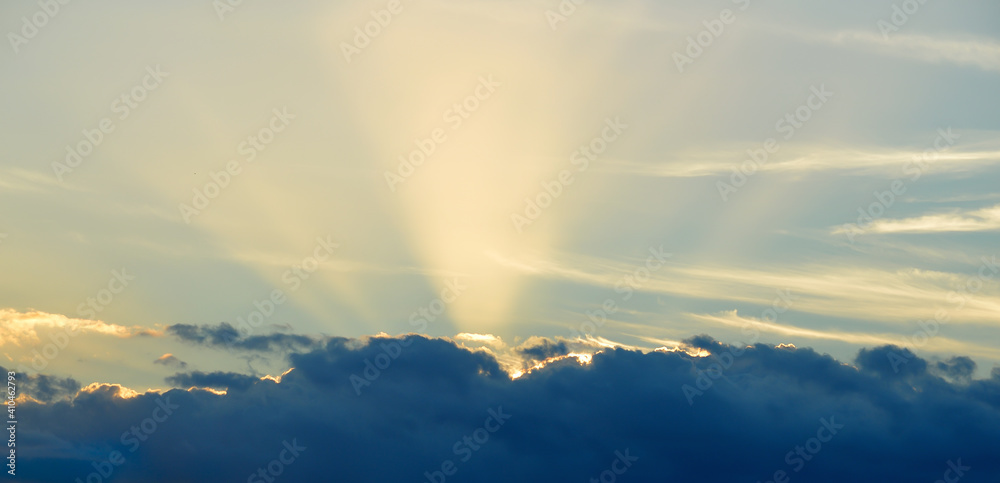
(575, 208)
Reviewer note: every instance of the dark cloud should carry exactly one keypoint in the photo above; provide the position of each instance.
(225, 335)
(219, 335)
(42, 387)
(738, 415)
(891, 362)
(956, 368)
(170, 360)
(544, 350)
(216, 380)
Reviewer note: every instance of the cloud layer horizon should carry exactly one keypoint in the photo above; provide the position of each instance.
(711, 412)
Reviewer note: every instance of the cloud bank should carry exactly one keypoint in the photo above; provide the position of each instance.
(430, 410)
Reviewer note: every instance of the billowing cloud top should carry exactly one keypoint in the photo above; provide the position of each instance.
(404, 409)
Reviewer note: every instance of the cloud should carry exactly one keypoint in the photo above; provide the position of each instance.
(980, 53)
(170, 360)
(885, 162)
(861, 292)
(21, 328)
(738, 414)
(733, 319)
(16, 179)
(43, 387)
(985, 219)
(958, 368)
(217, 380)
(226, 336)
(480, 339)
(544, 349)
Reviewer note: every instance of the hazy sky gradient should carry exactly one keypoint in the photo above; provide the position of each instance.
(655, 187)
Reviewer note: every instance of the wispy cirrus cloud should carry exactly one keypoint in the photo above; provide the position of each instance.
(16, 179)
(984, 219)
(981, 53)
(802, 159)
(857, 292)
(732, 318)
